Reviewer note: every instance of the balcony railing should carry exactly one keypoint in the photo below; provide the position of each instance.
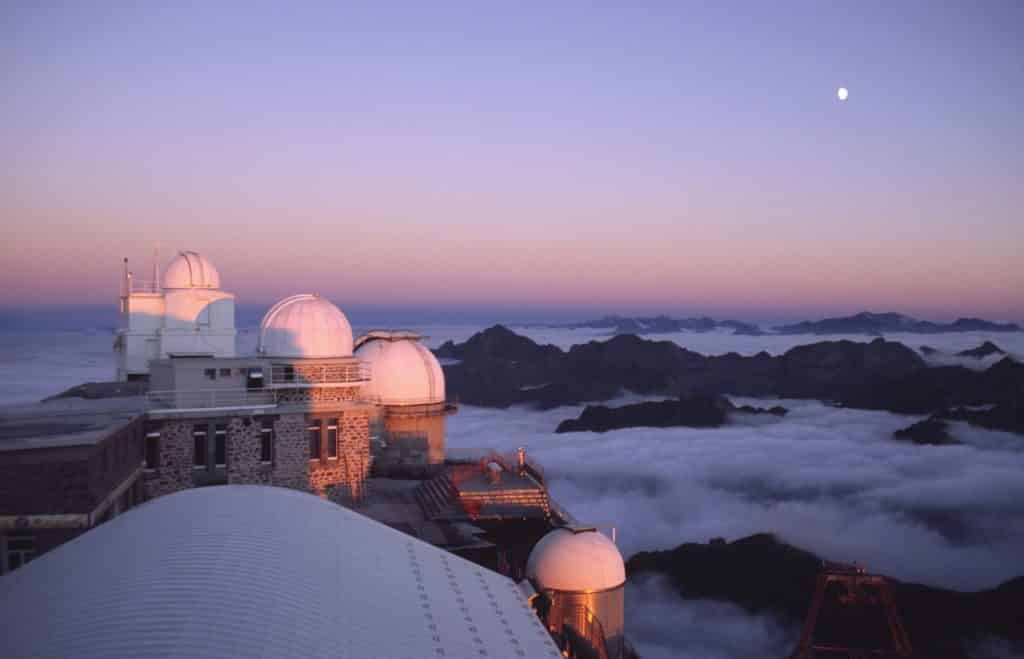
(306, 375)
(211, 399)
(147, 286)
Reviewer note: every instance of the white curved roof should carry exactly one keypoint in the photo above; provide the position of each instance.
(190, 270)
(402, 370)
(258, 571)
(305, 326)
(570, 560)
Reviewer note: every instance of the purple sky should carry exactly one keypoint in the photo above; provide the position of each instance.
(678, 157)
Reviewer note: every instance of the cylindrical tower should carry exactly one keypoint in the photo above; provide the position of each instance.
(583, 576)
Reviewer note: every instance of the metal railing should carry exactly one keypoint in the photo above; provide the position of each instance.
(143, 286)
(304, 375)
(582, 634)
(211, 398)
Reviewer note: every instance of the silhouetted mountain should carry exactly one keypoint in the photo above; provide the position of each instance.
(500, 368)
(984, 350)
(764, 575)
(930, 431)
(695, 411)
(664, 324)
(878, 323)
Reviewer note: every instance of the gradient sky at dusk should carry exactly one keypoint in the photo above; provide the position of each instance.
(683, 157)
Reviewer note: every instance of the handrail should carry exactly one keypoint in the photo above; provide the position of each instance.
(148, 286)
(211, 398)
(299, 375)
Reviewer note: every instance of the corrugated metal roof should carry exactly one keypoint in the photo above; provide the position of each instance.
(260, 572)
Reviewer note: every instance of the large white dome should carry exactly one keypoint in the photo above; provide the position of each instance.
(578, 561)
(305, 326)
(191, 270)
(402, 370)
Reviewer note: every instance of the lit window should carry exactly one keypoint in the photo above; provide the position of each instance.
(314, 439)
(199, 447)
(267, 441)
(332, 439)
(20, 550)
(152, 450)
(220, 446)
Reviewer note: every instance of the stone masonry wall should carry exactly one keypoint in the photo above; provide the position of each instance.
(291, 460)
(244, 464)
(343, 480)
(175, 468)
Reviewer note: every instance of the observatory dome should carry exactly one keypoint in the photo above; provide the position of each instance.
(570, 560)
(402, 370)
(191, 270)
(305, 326)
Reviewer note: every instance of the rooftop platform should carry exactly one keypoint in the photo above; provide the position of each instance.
(66, 421)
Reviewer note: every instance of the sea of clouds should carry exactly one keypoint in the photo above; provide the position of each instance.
(827, 479)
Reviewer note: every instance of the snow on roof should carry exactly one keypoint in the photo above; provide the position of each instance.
(254, 571)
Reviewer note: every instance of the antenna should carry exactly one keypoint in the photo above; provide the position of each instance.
(125, 290)
(156, 267)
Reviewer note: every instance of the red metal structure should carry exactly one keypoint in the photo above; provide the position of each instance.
(863, 620)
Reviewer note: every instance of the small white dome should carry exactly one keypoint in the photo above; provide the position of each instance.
(305, 326)
(577, 561)
(191, 270)
(402, 370)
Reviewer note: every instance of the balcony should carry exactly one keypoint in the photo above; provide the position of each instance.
(293, 376)
(225, 399)
(143, 287)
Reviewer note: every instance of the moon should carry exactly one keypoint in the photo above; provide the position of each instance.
(843, 93)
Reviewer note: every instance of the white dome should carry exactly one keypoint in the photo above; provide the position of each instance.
(402, 370)
(191, 270)
(305, 326)
(576, 561)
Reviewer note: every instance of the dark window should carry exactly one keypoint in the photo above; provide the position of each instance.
(267, 440)
(152, 450)
(210, 373)
(314, 439)
(289, 374)
(225, 372)
(20, 550)
(254, 378)
(199, 447)
(220, 446)
(332, 438)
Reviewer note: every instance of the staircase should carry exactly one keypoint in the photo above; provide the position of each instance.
(435, 495)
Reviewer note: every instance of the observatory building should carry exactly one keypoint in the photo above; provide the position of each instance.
(182, 313)
(357, 422)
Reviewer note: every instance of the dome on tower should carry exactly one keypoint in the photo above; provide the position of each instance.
(402, 370)
(305, 326)
(576, 560)
(191, 270)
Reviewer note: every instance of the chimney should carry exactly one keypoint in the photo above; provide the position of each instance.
(521, 457)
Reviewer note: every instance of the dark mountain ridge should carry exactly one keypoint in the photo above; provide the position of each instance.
(877, 324)
(498, 368)
(764, 575)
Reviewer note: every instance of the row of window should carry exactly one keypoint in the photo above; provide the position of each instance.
(19, 550)
(201, 447)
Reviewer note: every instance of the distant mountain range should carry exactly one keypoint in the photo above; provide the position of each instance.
(873, 324)
(665, 325)
(883, 323)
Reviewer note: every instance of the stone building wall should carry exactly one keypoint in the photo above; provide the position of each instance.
(244, 463)
(291, 452)
(343, 479)
(174, 471)
(319, 395)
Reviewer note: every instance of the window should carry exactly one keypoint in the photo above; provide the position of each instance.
(267, 441)
(332, 439)
(210, 373)
(314, 439)
(220, 446)
(199, 447)
(20, 550)
(225, 372)
(254, 378)
(152, 449)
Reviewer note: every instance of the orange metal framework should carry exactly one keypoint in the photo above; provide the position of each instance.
(853, 579)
